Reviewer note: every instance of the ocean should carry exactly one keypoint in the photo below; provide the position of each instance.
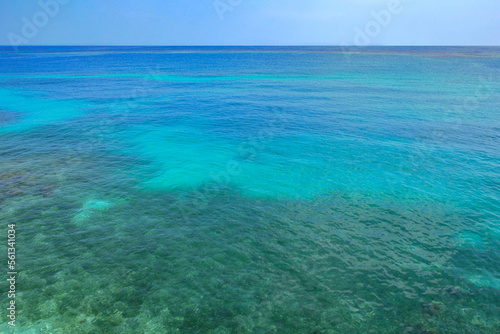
(251, 189)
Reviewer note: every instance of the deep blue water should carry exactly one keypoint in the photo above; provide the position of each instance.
(252, 189)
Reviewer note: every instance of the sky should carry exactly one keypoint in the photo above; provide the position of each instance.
(250, 22)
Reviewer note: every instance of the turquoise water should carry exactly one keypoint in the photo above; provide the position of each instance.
(252, 190)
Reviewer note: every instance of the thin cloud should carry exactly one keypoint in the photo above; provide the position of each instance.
(302, 16)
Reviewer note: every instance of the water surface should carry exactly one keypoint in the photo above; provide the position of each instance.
(252, 190)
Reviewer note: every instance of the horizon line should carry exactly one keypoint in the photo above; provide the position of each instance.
(246, 45)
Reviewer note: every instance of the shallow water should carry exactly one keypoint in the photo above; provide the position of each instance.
(252, 190)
